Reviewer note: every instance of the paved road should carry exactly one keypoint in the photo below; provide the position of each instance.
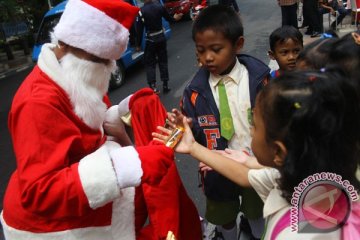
(260, 18)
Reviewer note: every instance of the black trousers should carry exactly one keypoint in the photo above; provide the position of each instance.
(289, 15)
(155, 52)
(311, 15)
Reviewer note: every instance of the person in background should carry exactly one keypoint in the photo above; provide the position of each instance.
(333, 6)
(289, 12)
(151, 15)
(218, 37)
(71, 182)
(285, 44)
(311, 17)
(305, 123)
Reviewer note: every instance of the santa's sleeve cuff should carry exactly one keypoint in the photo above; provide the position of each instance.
(98, 177)
(127, 166)
(123, 106)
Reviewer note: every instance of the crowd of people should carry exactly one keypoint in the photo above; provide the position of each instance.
(87, 169)
(297, 128)
(310, 13)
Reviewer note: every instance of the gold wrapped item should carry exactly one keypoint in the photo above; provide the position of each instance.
(175, 137)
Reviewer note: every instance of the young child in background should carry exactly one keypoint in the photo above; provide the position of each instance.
(304, 123)
(285, 44)
(218, 37)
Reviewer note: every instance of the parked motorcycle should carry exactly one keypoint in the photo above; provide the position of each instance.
(195, 10)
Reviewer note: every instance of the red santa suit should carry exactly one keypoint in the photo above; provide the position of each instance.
(67, 184)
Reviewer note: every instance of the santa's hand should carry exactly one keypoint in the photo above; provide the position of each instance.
(155, 162)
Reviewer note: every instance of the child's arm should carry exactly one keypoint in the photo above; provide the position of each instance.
(242, 156)
(229, 168)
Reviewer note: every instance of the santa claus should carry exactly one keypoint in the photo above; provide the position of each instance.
(71, 182)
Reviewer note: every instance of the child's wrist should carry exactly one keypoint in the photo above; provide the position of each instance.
(193, 148)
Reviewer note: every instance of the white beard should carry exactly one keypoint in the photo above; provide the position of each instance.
(86, 83)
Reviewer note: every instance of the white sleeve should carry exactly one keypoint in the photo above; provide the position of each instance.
(115, 112)
(127, 166)
(98, 177)
(123, 106)
(263, 181)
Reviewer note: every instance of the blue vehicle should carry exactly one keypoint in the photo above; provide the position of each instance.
(129, 57)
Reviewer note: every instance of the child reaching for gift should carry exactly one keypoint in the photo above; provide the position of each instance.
(304, 123)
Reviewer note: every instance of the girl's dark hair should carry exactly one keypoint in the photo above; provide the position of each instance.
(346, 53)
(316, 54)
(284, 33)
(219, 18)
(316, 115)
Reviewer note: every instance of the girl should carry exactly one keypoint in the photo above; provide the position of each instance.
(304, 123)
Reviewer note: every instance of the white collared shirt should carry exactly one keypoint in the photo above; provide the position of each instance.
(237, 90)
(264, 182)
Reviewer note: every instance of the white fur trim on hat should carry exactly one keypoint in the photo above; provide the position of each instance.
(85, 27)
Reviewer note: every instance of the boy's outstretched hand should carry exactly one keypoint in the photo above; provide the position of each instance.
(175, 118)
(185, 144)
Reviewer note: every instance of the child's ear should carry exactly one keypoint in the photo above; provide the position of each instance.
(239, 44)
(280, 153)
(271, 54)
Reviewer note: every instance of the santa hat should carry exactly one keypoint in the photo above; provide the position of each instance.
(99, 27)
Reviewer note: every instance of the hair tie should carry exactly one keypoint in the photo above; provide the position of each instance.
(297, 105)
(356, 37)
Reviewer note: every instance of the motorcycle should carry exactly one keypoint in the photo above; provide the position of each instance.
(195, 10)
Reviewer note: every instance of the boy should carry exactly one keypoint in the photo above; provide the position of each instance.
(285, 44)
(218, 37)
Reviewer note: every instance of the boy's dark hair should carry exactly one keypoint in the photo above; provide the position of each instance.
(219, 18)
(284, 33)
(316, 54)
(316, 115)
